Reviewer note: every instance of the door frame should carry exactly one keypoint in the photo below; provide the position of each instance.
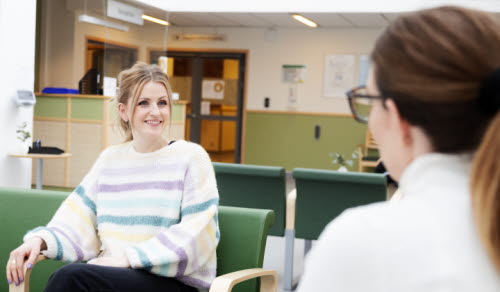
(242, 56)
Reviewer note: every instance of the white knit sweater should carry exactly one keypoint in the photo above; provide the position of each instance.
(158, 209)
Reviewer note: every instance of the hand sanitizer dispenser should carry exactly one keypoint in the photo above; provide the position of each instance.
(25, 98)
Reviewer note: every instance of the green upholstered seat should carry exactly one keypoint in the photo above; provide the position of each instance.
(253, 186)
(242, 243)
(322, 195)
(20, 211)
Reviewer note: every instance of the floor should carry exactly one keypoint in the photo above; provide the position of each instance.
(274, 258)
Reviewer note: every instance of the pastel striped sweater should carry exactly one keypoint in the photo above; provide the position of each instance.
(159, 209)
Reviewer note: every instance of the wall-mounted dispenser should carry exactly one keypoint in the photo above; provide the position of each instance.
(25, 98)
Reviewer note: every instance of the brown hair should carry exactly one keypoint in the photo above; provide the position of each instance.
(130, 84)
(433, 64)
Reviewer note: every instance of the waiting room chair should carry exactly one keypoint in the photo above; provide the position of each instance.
(319, 197)
(368, 153)
(253, 186)
(241, 229)
(20, 211)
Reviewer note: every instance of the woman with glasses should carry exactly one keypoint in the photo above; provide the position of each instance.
(432, 103)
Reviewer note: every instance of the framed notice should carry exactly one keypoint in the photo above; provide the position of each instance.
(364, 69)
(338, 75)
(213, 89)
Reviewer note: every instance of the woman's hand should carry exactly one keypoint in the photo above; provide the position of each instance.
(25, 253)
(119, 262)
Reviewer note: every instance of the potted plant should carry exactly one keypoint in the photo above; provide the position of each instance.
(22, 136)
(344, 164)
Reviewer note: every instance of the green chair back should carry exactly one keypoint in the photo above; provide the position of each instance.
(242, 243)
(253, 186)
(322, 195)
(22, 210)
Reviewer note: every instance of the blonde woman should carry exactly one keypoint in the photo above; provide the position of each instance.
(434, 93)
(144, 217)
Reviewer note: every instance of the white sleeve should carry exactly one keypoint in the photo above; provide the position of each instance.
(344, 257)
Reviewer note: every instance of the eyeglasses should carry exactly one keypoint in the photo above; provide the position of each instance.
(360, 103)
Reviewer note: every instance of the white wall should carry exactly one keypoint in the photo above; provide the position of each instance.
(17, 48)
(291, 46)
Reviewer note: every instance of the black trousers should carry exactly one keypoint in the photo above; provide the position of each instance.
(93, 278)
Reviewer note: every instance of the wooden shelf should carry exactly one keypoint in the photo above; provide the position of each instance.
(44, 156)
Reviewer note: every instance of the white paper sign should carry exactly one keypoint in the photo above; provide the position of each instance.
(205, 108)
(338, 75)
(163, 64)
(213, 89)
(364, 68)
(294, 73)
(109, 86)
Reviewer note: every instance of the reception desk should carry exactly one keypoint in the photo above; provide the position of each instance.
(83, 125)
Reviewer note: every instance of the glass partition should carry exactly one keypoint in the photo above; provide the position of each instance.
(82, 46)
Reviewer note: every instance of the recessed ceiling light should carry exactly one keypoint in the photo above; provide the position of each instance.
(155, 20)
(304, 20)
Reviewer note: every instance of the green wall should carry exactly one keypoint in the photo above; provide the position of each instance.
(288, 139)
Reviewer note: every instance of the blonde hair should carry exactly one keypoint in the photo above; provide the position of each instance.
(485, 187)
(441, 67)
(130, 84)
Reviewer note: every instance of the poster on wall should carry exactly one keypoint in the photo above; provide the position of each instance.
(294, 73)
(338, 75)
(364, 68)
(213, 89)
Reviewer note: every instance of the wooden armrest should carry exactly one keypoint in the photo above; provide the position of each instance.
(225, 283)
(25, 285)
(291, 198)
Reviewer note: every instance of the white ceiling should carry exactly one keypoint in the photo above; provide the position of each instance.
(283, 20)
(326, 20)
(266, 19)
(292, 6)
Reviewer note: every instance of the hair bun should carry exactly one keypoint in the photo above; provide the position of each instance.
(489, 94)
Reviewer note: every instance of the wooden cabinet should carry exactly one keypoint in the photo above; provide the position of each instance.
(83, 125)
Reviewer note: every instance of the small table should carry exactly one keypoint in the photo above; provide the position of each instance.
(39, 168)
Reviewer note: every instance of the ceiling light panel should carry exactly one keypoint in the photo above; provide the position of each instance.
(280, 19)
(327, 19)
(155, 20)
(365, 19)
(200, 19)
(304, 20)
(245, 19)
